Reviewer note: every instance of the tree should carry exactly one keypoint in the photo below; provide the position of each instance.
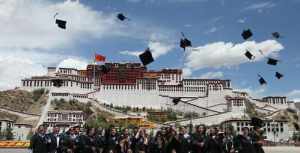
(29, 135)
(8, 134)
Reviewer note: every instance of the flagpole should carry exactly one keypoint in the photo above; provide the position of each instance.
(94, 70)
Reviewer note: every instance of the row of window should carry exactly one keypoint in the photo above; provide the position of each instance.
(265, 129)
(187, 89)
(48, 83)
(264, 124)
(59, 120)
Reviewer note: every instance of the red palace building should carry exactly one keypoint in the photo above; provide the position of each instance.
(120, 73)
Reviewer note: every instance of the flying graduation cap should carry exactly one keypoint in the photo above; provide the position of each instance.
(246, 34)
(60, 23)
(105, 69)
(261, 80)
(176, 100)
(249, 55)
(296, 126)
(121, 16)
(146, 57)
(272, 61)
(276, 35)
(184, 42)
(278, 75)
(57, 82)
(256, 122)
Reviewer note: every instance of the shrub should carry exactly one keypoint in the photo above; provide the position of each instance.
(37, 94)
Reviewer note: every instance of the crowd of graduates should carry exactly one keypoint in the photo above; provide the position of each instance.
(139, 140)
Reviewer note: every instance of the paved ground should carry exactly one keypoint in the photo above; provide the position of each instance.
(267, 150)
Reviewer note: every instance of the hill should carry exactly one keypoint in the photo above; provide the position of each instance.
(23, 101)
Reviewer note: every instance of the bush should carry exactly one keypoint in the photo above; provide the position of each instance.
(37, 94)
(8, 134)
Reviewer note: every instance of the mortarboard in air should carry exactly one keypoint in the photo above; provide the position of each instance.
(176, 100)
(272, 61)
(57, 82)
(121, 16)
(246, 34)
(61, 23)
(146, 57)
(249, 55)
(276, 35)
(278, 75)
(104, 69)
(256, 122)
(261, 80)
(296, 126)
(184, 42)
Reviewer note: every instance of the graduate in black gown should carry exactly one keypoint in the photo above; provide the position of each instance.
(55, 145)
(198, 139)
(257, 137)
(111, 141)
(213, 143)
(185, 141)
(242, 142)
(39, 141)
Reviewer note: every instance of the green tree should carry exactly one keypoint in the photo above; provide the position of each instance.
(37, 94)
(9, 134)
(29, 135)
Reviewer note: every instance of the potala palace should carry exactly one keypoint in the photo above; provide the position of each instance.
(131, 84)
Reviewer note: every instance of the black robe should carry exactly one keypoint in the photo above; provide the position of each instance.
(243, 145)
(213, 145)
(53, 146)
(38, 143)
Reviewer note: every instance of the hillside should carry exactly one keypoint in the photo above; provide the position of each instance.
(23, 101)
(8, 116)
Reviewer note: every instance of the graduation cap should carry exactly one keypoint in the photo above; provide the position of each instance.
(184, 42)
(57, 82)
(278, 75)
(256, 122)
(246, 34)
(105, 68)
(276, 35)
(121, 16)
(261, 80)
(176, 100)
(296, 126)
(61, 23)
(272, 61)
(146, 57)
(249, 55)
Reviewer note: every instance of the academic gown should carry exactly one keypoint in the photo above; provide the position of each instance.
(38, 144)
(243, 145)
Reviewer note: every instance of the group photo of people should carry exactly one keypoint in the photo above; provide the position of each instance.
(169, 139)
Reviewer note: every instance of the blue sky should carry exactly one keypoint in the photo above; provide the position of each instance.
(214, 26)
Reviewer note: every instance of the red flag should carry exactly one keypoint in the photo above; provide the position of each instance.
(99, 58)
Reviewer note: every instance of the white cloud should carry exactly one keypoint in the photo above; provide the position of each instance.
(260, 6)
(212, 75)
(211, 30)
(187, 25)
(131, 53)
(186, 72)
(31, 41)
(294, 95)
(243, 20)
(254, 92)
(221, 54)
(12, 70)
(75, 63)
(158, 45)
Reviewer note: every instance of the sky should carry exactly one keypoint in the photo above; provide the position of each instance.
(30, 41)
